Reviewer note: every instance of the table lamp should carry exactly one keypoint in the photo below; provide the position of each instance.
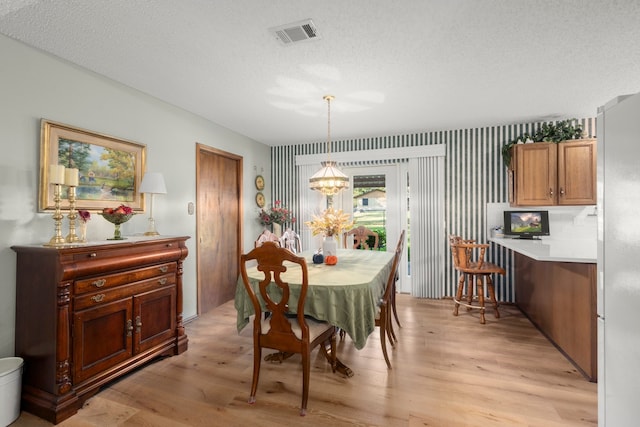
(152, 183)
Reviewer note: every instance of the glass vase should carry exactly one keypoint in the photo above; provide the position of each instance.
(82, 238)
(329, 246)
(276, 229)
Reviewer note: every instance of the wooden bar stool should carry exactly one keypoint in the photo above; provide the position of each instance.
(463, 252)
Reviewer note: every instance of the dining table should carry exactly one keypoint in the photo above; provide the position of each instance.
(346, 294)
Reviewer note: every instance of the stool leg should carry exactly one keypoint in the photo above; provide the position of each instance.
(480, 289)
(458, 294)
(492, 296)
(471, 278)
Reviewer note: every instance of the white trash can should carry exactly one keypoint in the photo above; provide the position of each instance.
(10, 385)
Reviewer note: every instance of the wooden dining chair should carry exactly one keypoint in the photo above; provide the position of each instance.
(400, 247)
(283, 330)
(468, 260)
(266, 236)
(361, 236)
(383, 314)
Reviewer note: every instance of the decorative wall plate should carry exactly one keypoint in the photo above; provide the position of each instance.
(260, 200)
(259, 182)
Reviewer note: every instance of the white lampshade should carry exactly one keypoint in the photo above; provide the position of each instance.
(329, 180)
(153, 182)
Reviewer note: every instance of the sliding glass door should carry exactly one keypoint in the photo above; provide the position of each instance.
(378, 199)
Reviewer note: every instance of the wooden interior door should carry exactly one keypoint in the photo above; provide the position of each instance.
(219, 225)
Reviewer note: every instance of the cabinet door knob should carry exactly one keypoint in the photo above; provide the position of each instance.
(551, 192)
(93, 255)
(138, 324)
(561, 191)
(129, 327)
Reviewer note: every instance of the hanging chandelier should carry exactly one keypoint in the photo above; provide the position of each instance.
(329, 180)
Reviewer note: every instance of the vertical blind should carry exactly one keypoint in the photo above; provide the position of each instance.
(426, 211)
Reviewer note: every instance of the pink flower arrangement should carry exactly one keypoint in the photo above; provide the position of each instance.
(84, 215)
(277, 214)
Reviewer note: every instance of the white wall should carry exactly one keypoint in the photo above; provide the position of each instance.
(565, 222)
(34, 85)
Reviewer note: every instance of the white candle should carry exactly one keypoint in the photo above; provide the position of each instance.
(71, 177)
(56, 174)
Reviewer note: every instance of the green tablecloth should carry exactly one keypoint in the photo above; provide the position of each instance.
(345, 295)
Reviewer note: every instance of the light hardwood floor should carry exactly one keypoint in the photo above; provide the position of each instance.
(447, 371)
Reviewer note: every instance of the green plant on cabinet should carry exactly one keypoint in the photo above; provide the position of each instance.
(548, 132)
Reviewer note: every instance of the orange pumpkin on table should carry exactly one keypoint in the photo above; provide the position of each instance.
(331, 260)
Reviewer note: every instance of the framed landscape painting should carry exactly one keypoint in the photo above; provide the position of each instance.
(110, 169)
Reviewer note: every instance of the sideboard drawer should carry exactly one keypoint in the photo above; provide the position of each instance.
(91, 300)
(107, 252)
(110, 280)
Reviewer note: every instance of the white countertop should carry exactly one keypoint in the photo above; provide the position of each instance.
(549, 249)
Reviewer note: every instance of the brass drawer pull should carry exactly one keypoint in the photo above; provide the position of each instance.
(97, 298)
(164, 269)
(162, 281)
(99, 283)
(93, 255)
(129, 327)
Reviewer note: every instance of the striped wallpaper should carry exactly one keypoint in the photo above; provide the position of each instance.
(474, 176)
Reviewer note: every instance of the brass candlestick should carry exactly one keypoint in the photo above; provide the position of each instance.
(57, 239)
(72, 237)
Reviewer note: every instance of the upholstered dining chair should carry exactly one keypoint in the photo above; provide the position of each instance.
(383, 315)
(283, 330)
(361, 236)
(291, 240)
(266, 236)
(468, 260)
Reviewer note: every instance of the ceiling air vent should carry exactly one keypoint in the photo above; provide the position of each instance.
(295, 32)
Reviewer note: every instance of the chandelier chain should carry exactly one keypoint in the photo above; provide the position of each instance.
(328, 98)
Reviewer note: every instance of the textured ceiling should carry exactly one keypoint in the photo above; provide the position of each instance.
(395, 66)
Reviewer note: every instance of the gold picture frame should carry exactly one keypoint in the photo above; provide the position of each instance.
(259, 183)
(260, 201)
(110, 169)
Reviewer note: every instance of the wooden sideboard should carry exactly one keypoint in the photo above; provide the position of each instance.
(560, 299)
(87, 314)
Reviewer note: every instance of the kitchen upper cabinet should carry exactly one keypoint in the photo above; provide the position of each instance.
(547, 173)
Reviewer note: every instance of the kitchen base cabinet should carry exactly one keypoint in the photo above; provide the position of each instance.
(560, 299)
(87, 314)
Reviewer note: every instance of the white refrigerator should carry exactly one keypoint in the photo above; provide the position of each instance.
(618, 132)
